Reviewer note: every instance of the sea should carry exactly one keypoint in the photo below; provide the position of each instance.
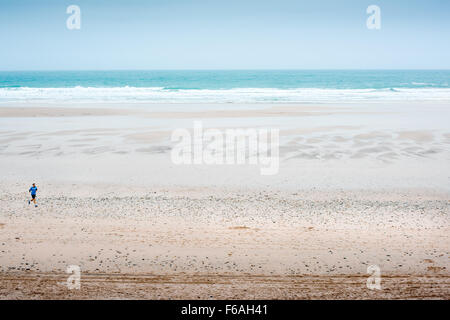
(224, 86)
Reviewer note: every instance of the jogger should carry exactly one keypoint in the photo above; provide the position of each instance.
(33, 191)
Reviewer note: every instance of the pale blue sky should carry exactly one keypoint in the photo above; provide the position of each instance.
(226, 34)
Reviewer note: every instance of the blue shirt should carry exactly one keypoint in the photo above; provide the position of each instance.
(33, 190)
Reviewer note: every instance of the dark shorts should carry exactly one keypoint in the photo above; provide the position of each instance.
(33, 196)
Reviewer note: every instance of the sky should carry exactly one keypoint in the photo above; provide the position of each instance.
(226, 34)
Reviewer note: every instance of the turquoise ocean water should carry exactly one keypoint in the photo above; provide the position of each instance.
(232, 86)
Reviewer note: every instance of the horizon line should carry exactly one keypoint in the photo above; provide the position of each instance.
(238, 69)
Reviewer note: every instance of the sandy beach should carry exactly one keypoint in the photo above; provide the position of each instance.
(359, 184)
(225, 150)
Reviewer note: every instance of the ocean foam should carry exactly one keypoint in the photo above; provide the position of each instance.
(238, 95)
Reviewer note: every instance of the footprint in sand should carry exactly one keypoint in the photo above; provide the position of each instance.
(436, 269)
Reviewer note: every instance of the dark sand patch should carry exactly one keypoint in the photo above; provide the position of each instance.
(372, 135)
(30, 285)
(417, 136)
(239, 228)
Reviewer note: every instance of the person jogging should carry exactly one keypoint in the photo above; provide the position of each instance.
(33, 191)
